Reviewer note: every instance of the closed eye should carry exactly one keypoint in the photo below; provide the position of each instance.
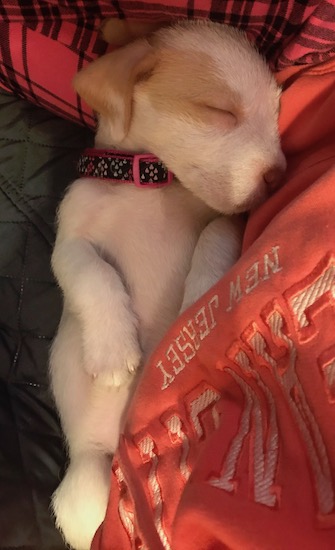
(219, 116)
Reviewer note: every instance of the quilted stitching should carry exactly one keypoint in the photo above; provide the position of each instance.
(38, 154)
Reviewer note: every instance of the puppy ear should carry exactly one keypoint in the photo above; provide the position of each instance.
(107, 84)
(121, 31)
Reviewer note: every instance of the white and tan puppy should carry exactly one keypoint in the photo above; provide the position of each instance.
(199, 97)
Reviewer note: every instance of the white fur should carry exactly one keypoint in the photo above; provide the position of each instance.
(122, 255)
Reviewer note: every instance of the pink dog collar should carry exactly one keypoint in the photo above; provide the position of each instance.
(145, 171)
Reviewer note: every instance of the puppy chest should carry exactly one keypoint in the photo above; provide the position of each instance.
(151, 243)
(151, 249)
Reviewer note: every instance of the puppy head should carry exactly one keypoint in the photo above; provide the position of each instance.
(200, 97)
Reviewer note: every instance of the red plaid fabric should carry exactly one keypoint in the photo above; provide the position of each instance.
(44, 43)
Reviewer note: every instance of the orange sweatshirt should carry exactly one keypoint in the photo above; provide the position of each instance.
(230, 440)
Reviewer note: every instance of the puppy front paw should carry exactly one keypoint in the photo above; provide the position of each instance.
(116, 366)
(113, 354)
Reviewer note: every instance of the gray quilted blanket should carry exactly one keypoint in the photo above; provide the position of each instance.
(37, 160)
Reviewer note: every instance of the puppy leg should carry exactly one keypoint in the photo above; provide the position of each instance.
(91, 417)
(217, 249)
(94, 292)
(80, 502)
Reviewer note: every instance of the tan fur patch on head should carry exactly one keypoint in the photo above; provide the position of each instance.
(186, 82)
(107, 84)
